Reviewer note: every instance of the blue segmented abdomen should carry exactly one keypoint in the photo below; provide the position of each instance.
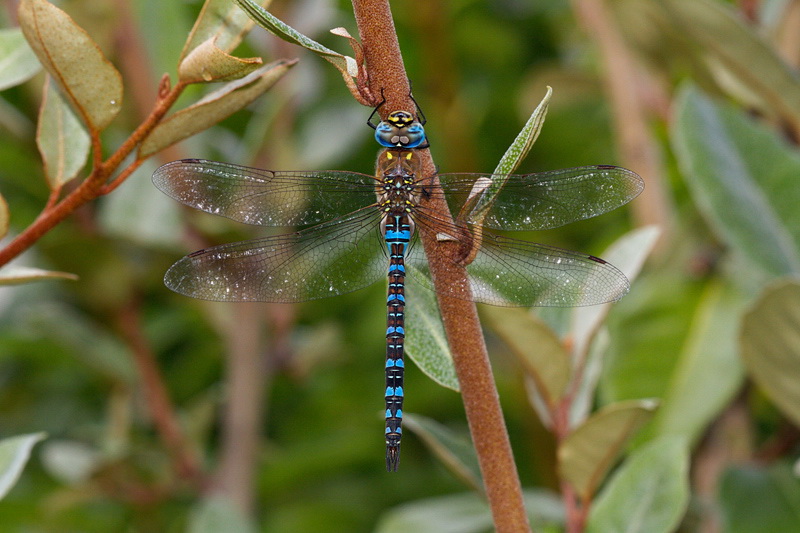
(397, 235)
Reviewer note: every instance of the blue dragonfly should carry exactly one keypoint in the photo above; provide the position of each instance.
(354, 223)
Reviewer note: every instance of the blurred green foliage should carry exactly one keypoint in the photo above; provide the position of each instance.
(478, 70)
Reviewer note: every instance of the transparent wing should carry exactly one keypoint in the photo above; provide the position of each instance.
(337, 257)
(544, 200)
(514, 273)
(265, 197)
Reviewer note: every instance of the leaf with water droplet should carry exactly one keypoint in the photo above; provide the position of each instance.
(87, 79)
(221, 19)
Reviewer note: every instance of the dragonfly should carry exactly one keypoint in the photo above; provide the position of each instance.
(353, 224)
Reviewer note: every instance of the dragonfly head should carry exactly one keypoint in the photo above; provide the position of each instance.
(401, 130)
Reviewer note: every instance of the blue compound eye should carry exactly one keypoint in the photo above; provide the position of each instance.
(400, 130)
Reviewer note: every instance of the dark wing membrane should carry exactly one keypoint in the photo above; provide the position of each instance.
(265, 197)
(513, 273)
(547, 199)
(325, 260)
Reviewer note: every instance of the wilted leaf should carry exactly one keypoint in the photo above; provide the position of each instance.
(87, 79)
(208, 63)
(770, 343)
(61, 138)
(213, 108)
(455, 452)
(16, 275)
(426, 341)
(14, 454)
(537, 348)
(220, 19)
(649, 493)
(743, 178)
(18, 63)
(589, 452)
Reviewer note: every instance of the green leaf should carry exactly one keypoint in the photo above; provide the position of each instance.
(14, 454)
(770, 344)
(741, 59)
(4, 217)
(61, 138)
(220, 19)
(589, 452)
(87, 79)
(649, 493)
(18, 63)
(16, 275)
(476, 207)
(742, 177)
(207, 63)
(708, 356)
(217, 514)
(213, 108)
(466, 513)
(537, 348)
(426, 341)
(454, 451)
(761, 500)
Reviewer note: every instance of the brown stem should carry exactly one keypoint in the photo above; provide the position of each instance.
(165, 420)
(460, 318)
(93, 185)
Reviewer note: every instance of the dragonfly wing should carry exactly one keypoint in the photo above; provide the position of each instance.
(265, 197)
(513, 273)
(325, 260)
(544, 200)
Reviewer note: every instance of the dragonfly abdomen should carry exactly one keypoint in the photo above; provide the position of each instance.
(397, 234)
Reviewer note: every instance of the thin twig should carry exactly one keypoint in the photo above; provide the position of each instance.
(460, 318)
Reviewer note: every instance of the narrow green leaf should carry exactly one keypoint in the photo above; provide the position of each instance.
(735, 51)
(14, 454)
(537, 348)
(709, 356)
(589, 452)
(18, 63)
(346, 65)
(265, 19)
(426, 341)
(4, 217)
(213, 108)
(217, 514)
(87, 79)
(476, 208)
(454, 451)
(207, 63)
(754, 499)
(648, 494)
(743, 178)
(220, 19)
(16, 275)
(61, 138)
(770, 344)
